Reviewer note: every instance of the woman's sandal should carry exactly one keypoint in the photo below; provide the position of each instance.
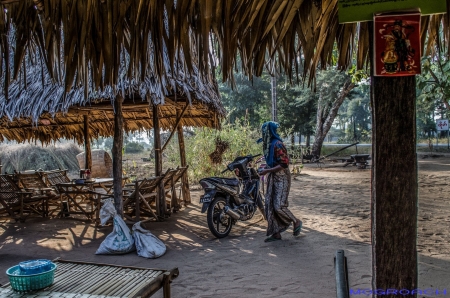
(271, 239)
(298, 229)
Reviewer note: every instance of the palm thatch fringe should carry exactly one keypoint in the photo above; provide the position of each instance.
(83, 42)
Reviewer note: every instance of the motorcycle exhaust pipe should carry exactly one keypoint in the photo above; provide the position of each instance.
(233, 214)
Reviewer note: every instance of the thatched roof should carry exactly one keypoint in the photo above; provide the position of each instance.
(40, 109)
(137, 117)
(83, 50)
(41, 88)
(97, 33)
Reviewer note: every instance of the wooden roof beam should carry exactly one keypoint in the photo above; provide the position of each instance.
(179, 117)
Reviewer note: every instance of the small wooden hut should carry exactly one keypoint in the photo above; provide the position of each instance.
(49, 119)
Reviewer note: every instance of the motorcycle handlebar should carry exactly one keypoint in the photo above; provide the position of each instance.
(252, 157)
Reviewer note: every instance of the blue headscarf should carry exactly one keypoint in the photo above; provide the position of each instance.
(269, 138)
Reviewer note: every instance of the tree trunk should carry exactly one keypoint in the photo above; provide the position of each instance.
(117, 154)
(394, 184)
(292, 141)
(308, 141)
(325, 120)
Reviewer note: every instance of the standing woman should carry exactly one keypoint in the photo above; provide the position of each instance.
(279, 217)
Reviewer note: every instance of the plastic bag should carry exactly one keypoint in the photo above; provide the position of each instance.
(120, 240)
(147, 245)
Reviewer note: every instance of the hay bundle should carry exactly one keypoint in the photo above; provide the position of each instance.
(221, 147)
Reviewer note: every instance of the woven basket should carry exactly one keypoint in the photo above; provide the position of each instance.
(25, 283)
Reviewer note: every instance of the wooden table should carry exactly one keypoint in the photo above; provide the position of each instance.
(103, 183)
(82, 194)
(82, 279)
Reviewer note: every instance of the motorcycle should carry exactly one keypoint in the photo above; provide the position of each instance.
(228, 200)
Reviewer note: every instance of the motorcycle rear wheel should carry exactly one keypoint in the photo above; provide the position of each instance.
(219, 223)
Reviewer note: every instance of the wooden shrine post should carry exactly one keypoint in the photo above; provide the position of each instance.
(117, 154)
(184, 179)
(160, 198)
(87, 144)
(394, 182)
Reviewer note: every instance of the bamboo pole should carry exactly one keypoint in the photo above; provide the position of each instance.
(87, 144)
(184, 179)
(161, 200)
(117, 154)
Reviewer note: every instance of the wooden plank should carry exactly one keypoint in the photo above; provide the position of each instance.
(87, 143)
(394, 195)
(117, 155)
(160, 198)
(124, 280)
(184, 179)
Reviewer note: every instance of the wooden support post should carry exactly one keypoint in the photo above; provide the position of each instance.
(160, 199)
(87, 144)
(117, 154)
(184, 179)
(138, 200)
(394, 183)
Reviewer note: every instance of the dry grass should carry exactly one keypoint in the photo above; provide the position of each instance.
(21, 157)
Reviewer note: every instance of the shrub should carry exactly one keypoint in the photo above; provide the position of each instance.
(240, 136)
(134, 147)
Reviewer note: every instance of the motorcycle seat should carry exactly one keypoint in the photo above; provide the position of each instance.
(226, 181)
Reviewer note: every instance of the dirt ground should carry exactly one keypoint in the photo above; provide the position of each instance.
(334, 204)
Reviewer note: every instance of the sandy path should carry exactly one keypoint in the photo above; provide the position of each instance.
(334, 205)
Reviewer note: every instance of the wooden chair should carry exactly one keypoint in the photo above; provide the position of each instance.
(170, 188)
(18, 204)
(33, 182)
(53, 177)
(139, 197)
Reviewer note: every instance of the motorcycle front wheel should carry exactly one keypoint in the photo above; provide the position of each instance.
(219, 222)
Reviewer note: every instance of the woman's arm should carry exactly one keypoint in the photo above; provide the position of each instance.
(271, 170)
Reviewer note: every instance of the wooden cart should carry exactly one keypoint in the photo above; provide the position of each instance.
(83, 279)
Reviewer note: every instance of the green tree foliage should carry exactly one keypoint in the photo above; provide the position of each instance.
(249, 100)
(297, 107)
(355, 117)
(433, 94)
(133, 147)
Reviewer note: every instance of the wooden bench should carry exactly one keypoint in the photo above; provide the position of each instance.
(83, 279)
(17, 204)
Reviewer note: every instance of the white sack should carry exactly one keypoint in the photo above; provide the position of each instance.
(120, 240)
(147, 245)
